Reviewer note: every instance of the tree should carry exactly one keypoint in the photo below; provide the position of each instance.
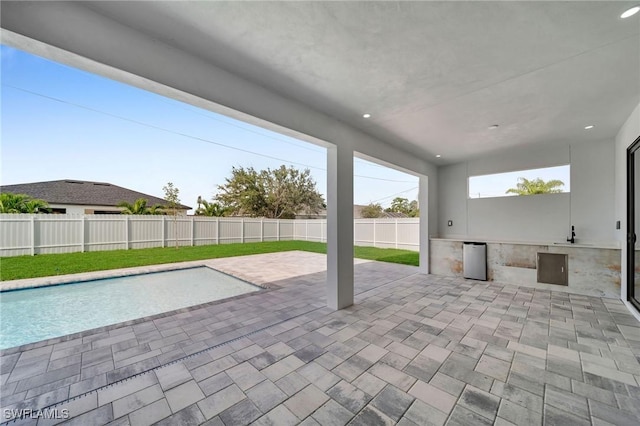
(210, 209)
(140, 207)
(536, 186)
(371, 211)
(21, 203)
(279, 194)
(171, 197)
(402, 205)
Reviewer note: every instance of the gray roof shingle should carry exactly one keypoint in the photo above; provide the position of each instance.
(84, 193)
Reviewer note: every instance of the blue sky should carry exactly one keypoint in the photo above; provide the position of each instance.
(62, 123)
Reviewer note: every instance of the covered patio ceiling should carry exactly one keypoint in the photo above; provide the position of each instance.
(433, 75)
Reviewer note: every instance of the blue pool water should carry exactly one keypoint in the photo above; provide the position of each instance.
(42, 313)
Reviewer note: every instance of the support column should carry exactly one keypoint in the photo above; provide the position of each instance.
(339, 227)
(423, 203)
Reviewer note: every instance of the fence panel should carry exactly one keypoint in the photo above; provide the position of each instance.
(104, 233)
(35, 234)
(15, 235)
(145, 231)
(205, 231)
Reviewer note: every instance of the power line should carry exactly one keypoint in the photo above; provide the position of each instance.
(207, 115)
(197, 138)
(393, 195)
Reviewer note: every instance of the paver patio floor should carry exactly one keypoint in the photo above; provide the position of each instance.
(413, 350)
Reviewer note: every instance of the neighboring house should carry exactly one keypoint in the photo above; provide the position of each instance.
(357, 213)
(84, 197)
(322, 214)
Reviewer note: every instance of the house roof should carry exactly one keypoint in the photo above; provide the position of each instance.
(357, 213)
(84, 193)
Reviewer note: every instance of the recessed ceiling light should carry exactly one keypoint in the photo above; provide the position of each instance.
(589, 127)
(493, 127)
(366, 115)
(630, 12)
(438, 155)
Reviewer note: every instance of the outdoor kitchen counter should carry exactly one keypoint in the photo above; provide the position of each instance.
(594, 269)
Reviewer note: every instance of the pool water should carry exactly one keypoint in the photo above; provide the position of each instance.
(35, 314)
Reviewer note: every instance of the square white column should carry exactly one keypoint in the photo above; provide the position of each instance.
(423, 202)
(339, 227)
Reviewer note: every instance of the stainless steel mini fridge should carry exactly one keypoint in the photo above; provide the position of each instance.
(474, 260)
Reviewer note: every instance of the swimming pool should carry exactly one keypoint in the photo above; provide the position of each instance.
(36, 314)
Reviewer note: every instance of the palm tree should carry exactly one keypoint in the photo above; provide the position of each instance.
(536, 186)
(138, 207)
(36, 206)
(21, 203)
(156, 209)
(210, 209)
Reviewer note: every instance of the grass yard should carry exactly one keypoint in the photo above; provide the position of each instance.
(13, 268)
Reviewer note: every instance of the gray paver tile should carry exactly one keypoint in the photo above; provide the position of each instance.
(172, 375)
(424, 414)
(566, 401)
(371, 416)
(556, 417)
(220, 401)
(393, 376)
(292, 383)
(369, 383)
(306, 401)
(266, 396)
(190, 416)
(245, 375)
(242, 413)
(480, 402)
(349, 396)
(518, 414)
(393, 402)
(135, 401)
(99, 416)
(279, 416)
(318, 375)
(433, 396)
(611, 414)
(332, 414)
(120, 390)
(215, 383)
(183, 395)
(150, 414)
(461, 416)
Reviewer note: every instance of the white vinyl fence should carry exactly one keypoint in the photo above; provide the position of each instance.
(23, 234)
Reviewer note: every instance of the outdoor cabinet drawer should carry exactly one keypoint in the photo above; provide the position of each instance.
(553, 268)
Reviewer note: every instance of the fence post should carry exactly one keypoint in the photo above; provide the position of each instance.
(396, 232)
(242, 229)
(193, 230)
(83, 231)
(261, 229)
(33, 235)
(321, 232)
(164, 237)
(278, 230)
(375, 225)
(306, 230)
(217, 230)
(126, 232)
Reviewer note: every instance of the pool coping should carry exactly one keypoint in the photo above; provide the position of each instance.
(53, 280)
(102, 275)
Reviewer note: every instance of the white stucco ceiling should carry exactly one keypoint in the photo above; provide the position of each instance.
(432, 74)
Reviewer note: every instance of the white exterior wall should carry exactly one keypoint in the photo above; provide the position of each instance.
(629, 132)
(540, 218)
(78, 209)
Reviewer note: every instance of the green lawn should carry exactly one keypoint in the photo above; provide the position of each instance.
(12, 268)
